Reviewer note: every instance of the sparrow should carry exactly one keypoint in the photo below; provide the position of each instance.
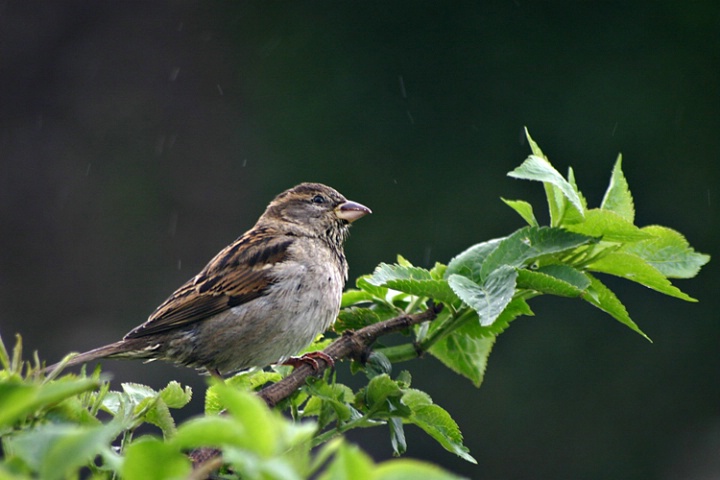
(261, 299)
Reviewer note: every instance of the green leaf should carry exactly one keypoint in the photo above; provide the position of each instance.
(384, 273)
(349, 463)
(148, 405)
(436, 289)
(404, 379)
(436, 422)
(524, 209)
(377, 364)
(403, 262)
(407, 469)
(571, 275)
(159, 415)
(151, 459)
(142, 403)
(247, 465)
(335, 396)
(610, 226)
(322, 455)
(543, 280)
(669, 252)
(57, 450)
(634, 268)
(137, 392)
(465, 350)
(353, 297)
(210, 431)
(530, 243)
(534, 147)
(438, 271)
(618, 198)
(412, 280)
(78, 410)
(470, 262)
(397, 436)
(4, 357)
(572, 215)
(363, 284)
(355, 318)
(18, 400)
(247, 380)
(254, 416)
(490, 298)
(557, 188)
(557, 203)
(380, 388)
(518, 306)
(175, 396)
(604, 299)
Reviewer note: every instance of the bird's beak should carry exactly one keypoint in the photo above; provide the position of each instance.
(351, 211)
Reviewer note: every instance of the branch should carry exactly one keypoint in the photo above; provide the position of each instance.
(352, 344)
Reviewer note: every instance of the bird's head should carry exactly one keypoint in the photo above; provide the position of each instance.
(314, 209)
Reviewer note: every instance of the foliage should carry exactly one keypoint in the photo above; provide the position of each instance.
(54, 427)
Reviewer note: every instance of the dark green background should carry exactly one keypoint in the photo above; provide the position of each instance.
(137, 139)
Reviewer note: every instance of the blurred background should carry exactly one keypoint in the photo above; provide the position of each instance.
(139, 138)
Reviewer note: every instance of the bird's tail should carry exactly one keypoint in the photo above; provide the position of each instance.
(114, 350)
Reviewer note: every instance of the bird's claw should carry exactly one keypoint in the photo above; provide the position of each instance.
(311, 359)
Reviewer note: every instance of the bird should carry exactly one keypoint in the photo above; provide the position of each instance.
(261, 299)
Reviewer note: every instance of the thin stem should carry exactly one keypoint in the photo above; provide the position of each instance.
(456, 320)
(409, 351)
(399, 353)
(361, 422)
(413, 305)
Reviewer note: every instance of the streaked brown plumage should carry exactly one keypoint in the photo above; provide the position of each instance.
(259, 300)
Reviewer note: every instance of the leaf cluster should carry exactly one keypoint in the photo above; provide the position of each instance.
(488, 285)
(55, 429)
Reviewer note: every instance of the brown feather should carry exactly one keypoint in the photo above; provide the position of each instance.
(237, 275)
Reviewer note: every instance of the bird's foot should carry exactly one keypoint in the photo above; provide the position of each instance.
(311, 359)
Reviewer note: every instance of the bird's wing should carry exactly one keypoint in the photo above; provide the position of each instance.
(238, 274)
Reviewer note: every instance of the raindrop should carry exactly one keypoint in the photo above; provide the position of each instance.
(403, 92)
(428, 251)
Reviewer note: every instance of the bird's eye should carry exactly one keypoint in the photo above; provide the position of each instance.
(318, 199)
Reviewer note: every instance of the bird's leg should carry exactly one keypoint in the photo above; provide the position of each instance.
(310, 358)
